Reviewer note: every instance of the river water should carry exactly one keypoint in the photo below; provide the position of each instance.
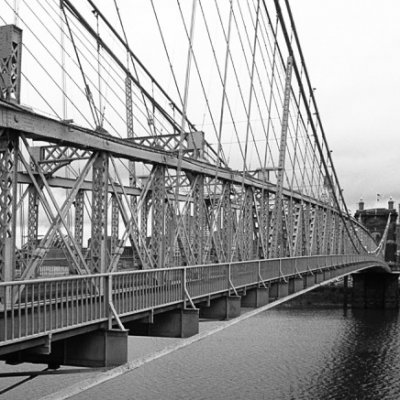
(278, 354)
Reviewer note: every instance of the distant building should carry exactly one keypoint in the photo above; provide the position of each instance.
(375, 220)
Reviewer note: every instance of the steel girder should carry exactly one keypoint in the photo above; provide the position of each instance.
(130, 133)
(79, 217)
(10, 90)
(114, 223)
(227, 221)
(56, 220)
(98, 244)
(278, 245)
(136, 235)
(232, 222)
(297, 231)
(52, 158)
(46, 129)
(10, 63)
(263, 214)
(198, 219)
(245, 236)
(212, 221)
(8, 197)
(158, 207)
(172, 255)
(33, 220)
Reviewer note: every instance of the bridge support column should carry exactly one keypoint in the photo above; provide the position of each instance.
(98, 243)
(222, 308)
(8, 204)
(181, 323)
(227, 222)
(102, 348)
(157, 241)
(197, 184)
(278, 290)
(106, 348)
(327, 274)
(255, 298)
(309, 280)
(295, 285)
(319, 276)
(374, 290)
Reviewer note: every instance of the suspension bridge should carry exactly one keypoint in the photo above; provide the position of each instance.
(149, 179)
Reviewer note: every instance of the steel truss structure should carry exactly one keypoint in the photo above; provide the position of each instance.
(86, 202)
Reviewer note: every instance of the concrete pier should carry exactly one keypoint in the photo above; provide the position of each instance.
(319, 277)
(255, 298)
(309, 280)
(225, 307)
(107, 348)
(101, 348)
(295, 285)
(278, 290)
(181, 323)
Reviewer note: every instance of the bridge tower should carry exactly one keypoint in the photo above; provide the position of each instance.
(375, 289)
(10, 89)
(377, 220)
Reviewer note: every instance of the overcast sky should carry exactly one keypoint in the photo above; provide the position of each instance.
(351, 49)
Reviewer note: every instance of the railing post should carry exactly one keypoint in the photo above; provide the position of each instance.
(108, 298)
(184, 288)
(5, 302)
(185, 294)
(229, 278)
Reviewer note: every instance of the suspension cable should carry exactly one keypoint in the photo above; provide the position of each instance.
(279, 11)
(166, 51)
(87, 88)
(133, 55)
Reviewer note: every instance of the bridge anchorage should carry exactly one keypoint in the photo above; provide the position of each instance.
(119, 216)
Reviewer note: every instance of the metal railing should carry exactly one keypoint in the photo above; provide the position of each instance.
(35, 308)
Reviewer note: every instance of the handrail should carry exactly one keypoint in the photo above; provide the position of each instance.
(180, 268)
(40, 307)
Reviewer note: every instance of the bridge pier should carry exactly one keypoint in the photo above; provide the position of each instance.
(181, 323)
(327, 274)
(278, 289)
(295, 285)
(309, 280)
(319, 277)
(255, 298)
(102, 348)
(375, 290)
(105, 348)
(225, 307)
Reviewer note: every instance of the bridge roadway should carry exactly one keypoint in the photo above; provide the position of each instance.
(43, 311)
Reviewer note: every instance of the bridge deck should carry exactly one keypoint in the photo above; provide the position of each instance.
(46, 308)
